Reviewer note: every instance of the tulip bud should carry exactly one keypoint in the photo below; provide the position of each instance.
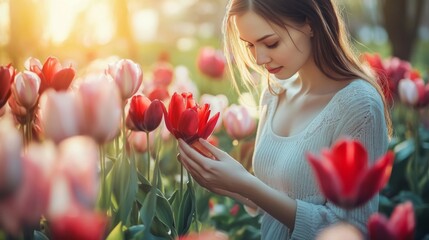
(127, 75)
(7, 74)
(26, 89)
(238, 122)
(211, 62)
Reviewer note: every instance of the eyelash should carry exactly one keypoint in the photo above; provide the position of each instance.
(249, 45)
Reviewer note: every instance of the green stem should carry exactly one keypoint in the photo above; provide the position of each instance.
(124, 135)
(103, 176)
(148, 156)
(191, 184)
(181, 181)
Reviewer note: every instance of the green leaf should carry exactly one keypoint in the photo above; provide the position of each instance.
(165, 215)
(147, 212)
(116, 233)
(125, 188)
(186, 211)
(404, 150)
(39, 236)
(133, 231)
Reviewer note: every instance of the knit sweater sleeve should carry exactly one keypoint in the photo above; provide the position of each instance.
(363, 120)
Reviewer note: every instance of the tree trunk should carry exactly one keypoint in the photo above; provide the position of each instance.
(402, 19)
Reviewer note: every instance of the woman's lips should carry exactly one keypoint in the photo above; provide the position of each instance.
(274, 70)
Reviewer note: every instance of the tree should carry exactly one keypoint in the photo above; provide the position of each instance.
(402, 19)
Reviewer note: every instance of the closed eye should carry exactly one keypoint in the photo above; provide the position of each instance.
(273, 45)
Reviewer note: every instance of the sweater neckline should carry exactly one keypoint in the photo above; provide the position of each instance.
(315, 119)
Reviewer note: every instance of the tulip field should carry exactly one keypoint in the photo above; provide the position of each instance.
(91, 153)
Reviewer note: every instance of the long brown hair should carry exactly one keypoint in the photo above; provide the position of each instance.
(332, 51)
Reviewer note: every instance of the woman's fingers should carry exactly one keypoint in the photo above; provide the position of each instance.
(194, 155)
(219, 154)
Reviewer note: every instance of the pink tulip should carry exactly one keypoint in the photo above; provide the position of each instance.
(414, 92)
(30, 200)
(7, 74)
(68, 219)
(211, 62)
(238, 122)
(61, 115)
(127, 75)
(101, 105)
(139, 141)
(344, 176)
(10, 157)
(26, 89)
(78, 161)
(400, 226)
(52, 74)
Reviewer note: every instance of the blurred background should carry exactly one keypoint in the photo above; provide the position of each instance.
(83, 30)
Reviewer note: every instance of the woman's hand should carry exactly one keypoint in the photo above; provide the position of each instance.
(222, 175)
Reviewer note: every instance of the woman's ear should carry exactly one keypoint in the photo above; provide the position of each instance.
(308, 28)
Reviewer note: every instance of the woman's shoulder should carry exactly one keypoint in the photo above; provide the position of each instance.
(360, 92)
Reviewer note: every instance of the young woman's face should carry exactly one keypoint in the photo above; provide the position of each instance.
(282, 52)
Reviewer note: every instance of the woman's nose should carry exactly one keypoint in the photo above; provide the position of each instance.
(261, 57)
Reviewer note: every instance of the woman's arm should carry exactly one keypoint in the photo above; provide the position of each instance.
(225, 175)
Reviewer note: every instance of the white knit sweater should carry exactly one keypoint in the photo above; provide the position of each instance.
(355, 111)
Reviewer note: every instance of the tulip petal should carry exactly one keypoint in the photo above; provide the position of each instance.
(188, 123)
(349, 158)
(403, 221)
(138, 106)
(376, 178)
(176, 108)
(153, 116)
(62, 79)
(378, 228)
(326, 178)
(209, 127)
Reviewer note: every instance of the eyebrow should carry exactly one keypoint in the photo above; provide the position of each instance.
(262, 38)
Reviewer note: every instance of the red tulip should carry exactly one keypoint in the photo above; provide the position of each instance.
(400, 226)
(160, 93)
(146, 115)
(163, 74)
(187, 120)
(52, 74)
(7, 75)
(344, 176)
(82, 224)
(211, 62)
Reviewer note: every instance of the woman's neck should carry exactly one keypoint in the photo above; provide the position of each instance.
(312, 80)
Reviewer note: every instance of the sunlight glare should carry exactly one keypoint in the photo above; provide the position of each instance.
(61, 17)
(99, 24)
(145, 25)
(4, 23)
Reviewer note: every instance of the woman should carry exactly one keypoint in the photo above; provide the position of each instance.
(325, 94)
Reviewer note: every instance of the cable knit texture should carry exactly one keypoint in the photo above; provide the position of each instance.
(355, 111)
